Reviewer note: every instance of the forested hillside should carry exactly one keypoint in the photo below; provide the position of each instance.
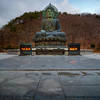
(84, 29)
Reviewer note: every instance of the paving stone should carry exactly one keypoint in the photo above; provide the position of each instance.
(91, 80)
(49, 88)
(23, 85)
(69, 78)
(90, 91)
(82, 98)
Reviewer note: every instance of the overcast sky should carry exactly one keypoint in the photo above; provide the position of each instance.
(10, 9)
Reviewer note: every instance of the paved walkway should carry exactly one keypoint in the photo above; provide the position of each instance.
(49, 78)
(49, 62)
(50, 85)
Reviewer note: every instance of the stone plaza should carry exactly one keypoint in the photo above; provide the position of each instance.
(49, 78)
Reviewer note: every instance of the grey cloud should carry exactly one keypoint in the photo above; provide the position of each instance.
(12, 8)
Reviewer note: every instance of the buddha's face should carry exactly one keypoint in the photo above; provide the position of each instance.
(49, 13)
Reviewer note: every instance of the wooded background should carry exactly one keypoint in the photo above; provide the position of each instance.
(80, 28)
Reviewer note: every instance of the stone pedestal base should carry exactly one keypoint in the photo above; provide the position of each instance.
(50, 51)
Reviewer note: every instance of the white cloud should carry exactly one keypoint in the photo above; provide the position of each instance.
(10, 9)
(3, 21)
(65, 6)
(97, 11)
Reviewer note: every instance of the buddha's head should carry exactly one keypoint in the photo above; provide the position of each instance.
(49, 13)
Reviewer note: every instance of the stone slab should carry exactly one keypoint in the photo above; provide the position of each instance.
(49, 88)
(19, 84)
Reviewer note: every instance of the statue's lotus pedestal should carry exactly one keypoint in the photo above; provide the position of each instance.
(51, 43)
(50, 40)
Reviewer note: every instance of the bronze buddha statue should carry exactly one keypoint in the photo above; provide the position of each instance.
(50, 23)
(50, 35)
